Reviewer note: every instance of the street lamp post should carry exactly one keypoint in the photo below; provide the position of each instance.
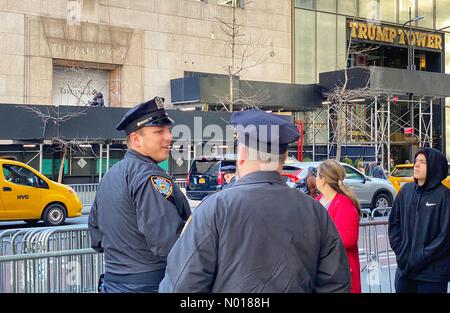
(411, 66)
(411, 63)
(411, 56)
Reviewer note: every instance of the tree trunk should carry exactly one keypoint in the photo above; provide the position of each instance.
(340, 130)
(61, 165)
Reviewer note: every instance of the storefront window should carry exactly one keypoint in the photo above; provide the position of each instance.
(347, 7)
(425, 9)
(388, 10)
(305, 46)
(79, 86)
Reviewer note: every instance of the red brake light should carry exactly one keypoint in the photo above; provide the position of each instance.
(187, 180)
(220, 179)
(292, 177)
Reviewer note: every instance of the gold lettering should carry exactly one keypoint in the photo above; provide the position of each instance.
(371, 31)
(392, 34)
(401, 40)
(382, 34)
(354, 27)
(430, 41)
(438, 42)
(362, 31)
(421, 39)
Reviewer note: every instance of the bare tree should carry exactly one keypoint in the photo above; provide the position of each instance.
(53, 116)
(245, 52)
(341, 98)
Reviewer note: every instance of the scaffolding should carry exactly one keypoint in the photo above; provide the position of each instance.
(374, 123)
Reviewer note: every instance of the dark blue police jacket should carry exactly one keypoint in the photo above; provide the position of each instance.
(259, 235)
(137, 215)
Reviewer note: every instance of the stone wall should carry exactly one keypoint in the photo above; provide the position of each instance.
(147, 42)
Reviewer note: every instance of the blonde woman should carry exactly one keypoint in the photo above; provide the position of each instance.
(344, 210)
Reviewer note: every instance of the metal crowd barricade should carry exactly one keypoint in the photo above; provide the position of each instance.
(181, 183)
(57, 271)
(86, 193)
(32, 240)
(377, 260)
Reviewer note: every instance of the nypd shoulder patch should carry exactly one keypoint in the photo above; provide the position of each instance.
(163, 185)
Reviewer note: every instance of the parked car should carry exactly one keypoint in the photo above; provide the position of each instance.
(371, 192)
(28, 195)
(204, 176)
(403, 173)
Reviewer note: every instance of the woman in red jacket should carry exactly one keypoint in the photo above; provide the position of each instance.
(344, 210)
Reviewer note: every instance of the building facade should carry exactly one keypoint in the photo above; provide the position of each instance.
(332, 35)
(64, 52)
(61, 51)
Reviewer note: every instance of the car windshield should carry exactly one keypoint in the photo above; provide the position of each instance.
(403, 172)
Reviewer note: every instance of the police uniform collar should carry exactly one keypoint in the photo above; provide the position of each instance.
(135, 154)
(260, 177)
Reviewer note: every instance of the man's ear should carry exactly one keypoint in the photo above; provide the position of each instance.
(135, 139)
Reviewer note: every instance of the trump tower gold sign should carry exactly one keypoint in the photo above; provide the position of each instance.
(394, 35)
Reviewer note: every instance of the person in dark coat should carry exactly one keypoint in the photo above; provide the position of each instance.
(378, 171)
(97, 100)
(419, 227)
(259, 235)
(229, 176)
(138, 211)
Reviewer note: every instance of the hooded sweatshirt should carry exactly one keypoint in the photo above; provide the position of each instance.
(419, 224)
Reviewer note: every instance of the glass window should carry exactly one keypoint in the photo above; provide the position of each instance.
(388, 10)
(403, 172)
(347, 7)
(326, 43)
(341, 44)
(425, 9)
(305, 47)
(20, 175)
(403, 7)
(327, 5)
(305, 4)
(79, 86)
(352, 174)
(369, 9)
(442, 14)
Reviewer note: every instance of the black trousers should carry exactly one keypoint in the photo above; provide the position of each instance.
(406, 285)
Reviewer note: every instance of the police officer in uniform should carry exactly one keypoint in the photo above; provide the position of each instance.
(259, 235)
(229, 176)
(138, 212)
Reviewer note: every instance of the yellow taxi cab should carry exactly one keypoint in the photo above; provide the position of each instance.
(403, 173)
(26, 194)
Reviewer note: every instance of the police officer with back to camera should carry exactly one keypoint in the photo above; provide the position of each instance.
(138, 212)
(259, 235)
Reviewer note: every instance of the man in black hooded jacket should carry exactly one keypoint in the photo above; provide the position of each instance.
(419, 227)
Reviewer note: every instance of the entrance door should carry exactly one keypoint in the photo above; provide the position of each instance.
(20, 195)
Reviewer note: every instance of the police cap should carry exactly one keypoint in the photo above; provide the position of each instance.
(150, 113)
(228, 169)
(256, 126)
